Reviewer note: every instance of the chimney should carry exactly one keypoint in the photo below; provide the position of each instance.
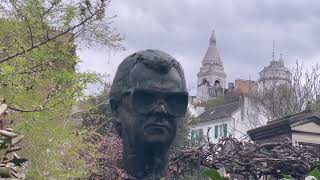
(231, 86)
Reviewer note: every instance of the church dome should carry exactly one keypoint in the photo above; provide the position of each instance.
(212, 56)
(211, 77)
(281, 61)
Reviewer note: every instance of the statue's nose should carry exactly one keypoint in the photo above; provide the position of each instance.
(161, 108)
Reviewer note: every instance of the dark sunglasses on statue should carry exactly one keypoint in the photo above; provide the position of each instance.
(144, 100)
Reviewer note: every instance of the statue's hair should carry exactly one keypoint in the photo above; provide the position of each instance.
(153, 59)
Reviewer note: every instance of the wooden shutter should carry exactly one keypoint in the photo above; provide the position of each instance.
(216, 131)
(200, 134)
(193, 135)
(225, 130)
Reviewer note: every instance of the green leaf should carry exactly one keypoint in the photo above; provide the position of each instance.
(315, 172)
(4, 172)
(7, 69)
(70, 14)
(212, 174)
(287, 176)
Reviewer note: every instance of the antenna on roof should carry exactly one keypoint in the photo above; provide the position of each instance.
(273, 47)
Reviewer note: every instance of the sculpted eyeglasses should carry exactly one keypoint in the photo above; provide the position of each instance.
(144, 100)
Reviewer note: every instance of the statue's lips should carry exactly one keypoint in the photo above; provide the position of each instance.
(155, 126)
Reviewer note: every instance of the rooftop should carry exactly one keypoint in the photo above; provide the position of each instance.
(275, 65)
(284, 124)
(219, 112)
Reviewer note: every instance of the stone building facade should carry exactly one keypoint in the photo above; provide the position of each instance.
(211, 77)
(274, 75)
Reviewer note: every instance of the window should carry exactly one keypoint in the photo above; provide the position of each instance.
(216, 129)
(211, 133)
(200, 136)
(196, 135)
(221, 130)
(225, 130)
(193, 135)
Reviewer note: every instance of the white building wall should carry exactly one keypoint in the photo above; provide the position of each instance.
(241, 125)
(242, 120)
(211, 124)
(252, 115)
(246, 118)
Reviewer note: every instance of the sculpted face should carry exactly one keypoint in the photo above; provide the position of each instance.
(151, 110)
(148, 99)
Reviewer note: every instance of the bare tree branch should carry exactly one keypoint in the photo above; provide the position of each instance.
(46, 41)
(278, 99)
(243, 158)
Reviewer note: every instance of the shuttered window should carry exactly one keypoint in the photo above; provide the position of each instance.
(196, 135)
(220, 130)
(225, 130)
(200, 134)
(216, 131)
(193, 135)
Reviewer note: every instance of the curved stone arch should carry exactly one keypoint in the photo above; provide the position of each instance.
(204, 81)
(217, 83)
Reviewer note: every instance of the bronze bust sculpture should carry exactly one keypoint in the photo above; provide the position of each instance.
(148, 99)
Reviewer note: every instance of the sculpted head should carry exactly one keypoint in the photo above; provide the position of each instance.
(148, 99)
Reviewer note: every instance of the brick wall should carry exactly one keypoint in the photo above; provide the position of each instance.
(246, 87)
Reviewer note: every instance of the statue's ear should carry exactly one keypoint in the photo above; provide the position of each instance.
(115, 116)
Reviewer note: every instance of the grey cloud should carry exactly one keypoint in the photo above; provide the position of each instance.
(245, 30)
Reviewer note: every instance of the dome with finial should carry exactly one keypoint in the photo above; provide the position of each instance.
(213, 40)
(275, 73)
(281, 61)
(212, 56)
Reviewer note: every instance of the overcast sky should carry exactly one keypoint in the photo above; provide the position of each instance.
(245, 30)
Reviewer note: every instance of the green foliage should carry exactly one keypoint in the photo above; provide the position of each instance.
(182, 139)
(31, 81)
(212, 174)
(285, 176)
(53, 147)
(43, 86)
(70, 14)
(315, 172)
(97, 113)
(215, 102)
(215, 174)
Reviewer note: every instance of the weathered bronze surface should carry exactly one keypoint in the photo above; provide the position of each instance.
(148, 100)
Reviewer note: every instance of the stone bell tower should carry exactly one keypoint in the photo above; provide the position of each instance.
(211, 78)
